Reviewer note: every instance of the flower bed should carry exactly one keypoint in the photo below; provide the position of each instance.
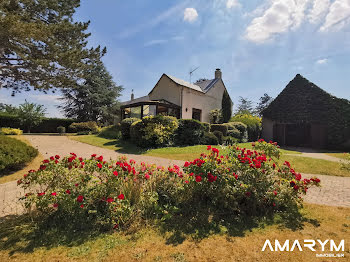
(115, 194)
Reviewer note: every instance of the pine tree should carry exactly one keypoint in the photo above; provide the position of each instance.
(264, 102)
(41, 46)
(245, 106)
(95, 99)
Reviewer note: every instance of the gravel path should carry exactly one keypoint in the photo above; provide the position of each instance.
(335, 191)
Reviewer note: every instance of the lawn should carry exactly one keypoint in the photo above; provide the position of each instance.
(34, 164)
(301, 164)
(338, 155)
(22, 241)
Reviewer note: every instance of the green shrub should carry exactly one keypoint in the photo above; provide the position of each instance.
(155, 131)
(136, 132)
(90, 126)
(220, 136)
(209, 139)
(206, 126)
(253, 124)
(61, 130)
(229, 140)
(14, 154)
(234, 133)
(10, 131)
(82, 133)
(219, 127)
(125, 126)
(189, 132)
(111, 132)
(242, 128)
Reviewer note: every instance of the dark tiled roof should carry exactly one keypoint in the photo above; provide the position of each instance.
(206, 85)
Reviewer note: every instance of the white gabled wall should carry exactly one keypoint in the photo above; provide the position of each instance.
(206, 102)
(166, 89)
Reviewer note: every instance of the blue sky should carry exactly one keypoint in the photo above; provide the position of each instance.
(260, 45)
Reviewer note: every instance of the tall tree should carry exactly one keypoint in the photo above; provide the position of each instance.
(30, 114)
(9, 109)
(41, 46)
(264, 102)
(95, 99)
(245, 106)
(226, 107)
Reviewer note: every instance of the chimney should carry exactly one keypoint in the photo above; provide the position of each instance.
(132, 95)
(218, 73)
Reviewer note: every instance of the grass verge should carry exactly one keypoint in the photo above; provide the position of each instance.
(310, 165)
(338, 155)
(20, 240)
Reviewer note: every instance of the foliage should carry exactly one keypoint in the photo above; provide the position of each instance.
(10, 131)
(219, 127)
(206, 126)
(215, 116)
(14, 154)
(235, 134)
(90, 126)
(109, 194)
(253, 124)
(111, 132)
(41, 45)
(8, 109)
(189, 132)
(264, 102)
(245, 106)
(242, 129)
(125, 127)
(209, 139)
(30, 114)
(226, 107)
(61, 130)
(95, 99)
(219, 135)
(155, 131)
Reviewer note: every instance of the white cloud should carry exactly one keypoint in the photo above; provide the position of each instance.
(338, 16)
(318, 11)
(178, 38)
(232, 3)
(322, 61)
(279, 17)
(190, 15)
(156, 42)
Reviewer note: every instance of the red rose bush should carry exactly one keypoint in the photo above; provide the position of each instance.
(114, 194)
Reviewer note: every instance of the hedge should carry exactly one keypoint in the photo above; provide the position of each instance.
(125, 126)
(241, 128)
(209, 139)
(14, 154)
(154, 131)
(90, 126)
(111, 132)
(190, 132)
(219, 127)
(253, 124)
(48, 125)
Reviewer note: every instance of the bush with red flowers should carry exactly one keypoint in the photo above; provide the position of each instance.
(114, 194)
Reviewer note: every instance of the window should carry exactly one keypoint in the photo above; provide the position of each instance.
(196, 114)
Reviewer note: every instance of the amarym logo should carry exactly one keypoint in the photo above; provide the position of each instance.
(307, 243)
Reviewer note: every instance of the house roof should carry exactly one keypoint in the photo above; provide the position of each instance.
(206, 85)
(184, 83)
(303, 101)
(136, 100)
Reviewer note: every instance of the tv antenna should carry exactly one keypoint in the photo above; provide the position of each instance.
(191, 72)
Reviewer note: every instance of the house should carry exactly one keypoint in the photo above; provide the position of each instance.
(175, 97)
(305, 115)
